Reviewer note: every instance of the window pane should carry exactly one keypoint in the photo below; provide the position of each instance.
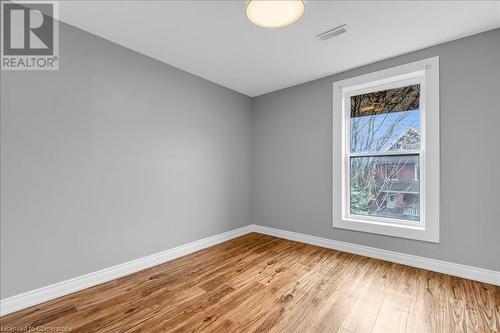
(387, 120)
(386, 186)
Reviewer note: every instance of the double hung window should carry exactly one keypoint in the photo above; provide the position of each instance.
(386, 152)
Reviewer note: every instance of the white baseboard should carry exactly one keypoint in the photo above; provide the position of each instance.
(463, 271)
(37, 296)
(44, 294)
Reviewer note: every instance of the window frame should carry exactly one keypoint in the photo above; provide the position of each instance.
(393, 196)
(425, 73)
(394, 172)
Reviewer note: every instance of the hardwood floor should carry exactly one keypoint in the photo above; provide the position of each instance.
(259, 283)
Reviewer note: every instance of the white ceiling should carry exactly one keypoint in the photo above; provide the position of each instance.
(214, 39)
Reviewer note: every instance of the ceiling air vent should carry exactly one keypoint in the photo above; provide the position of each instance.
(337, 31)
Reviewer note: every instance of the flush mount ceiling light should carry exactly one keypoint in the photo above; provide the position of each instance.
(274, 13)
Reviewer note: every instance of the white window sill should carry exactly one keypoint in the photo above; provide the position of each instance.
(417, 232)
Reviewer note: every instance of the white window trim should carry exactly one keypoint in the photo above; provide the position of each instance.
(427, 229)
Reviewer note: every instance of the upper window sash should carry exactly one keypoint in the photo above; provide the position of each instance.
(414, 78)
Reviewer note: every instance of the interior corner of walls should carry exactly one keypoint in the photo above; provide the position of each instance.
(168, 147)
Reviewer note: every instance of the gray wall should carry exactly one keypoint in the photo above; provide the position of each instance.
(292, 156)
(114, 157)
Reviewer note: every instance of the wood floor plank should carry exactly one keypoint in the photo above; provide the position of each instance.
(259, 283)
(262, 316)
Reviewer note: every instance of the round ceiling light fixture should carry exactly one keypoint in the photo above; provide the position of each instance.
(274, 13)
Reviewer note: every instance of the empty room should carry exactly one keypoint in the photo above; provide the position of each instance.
(250, 166)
